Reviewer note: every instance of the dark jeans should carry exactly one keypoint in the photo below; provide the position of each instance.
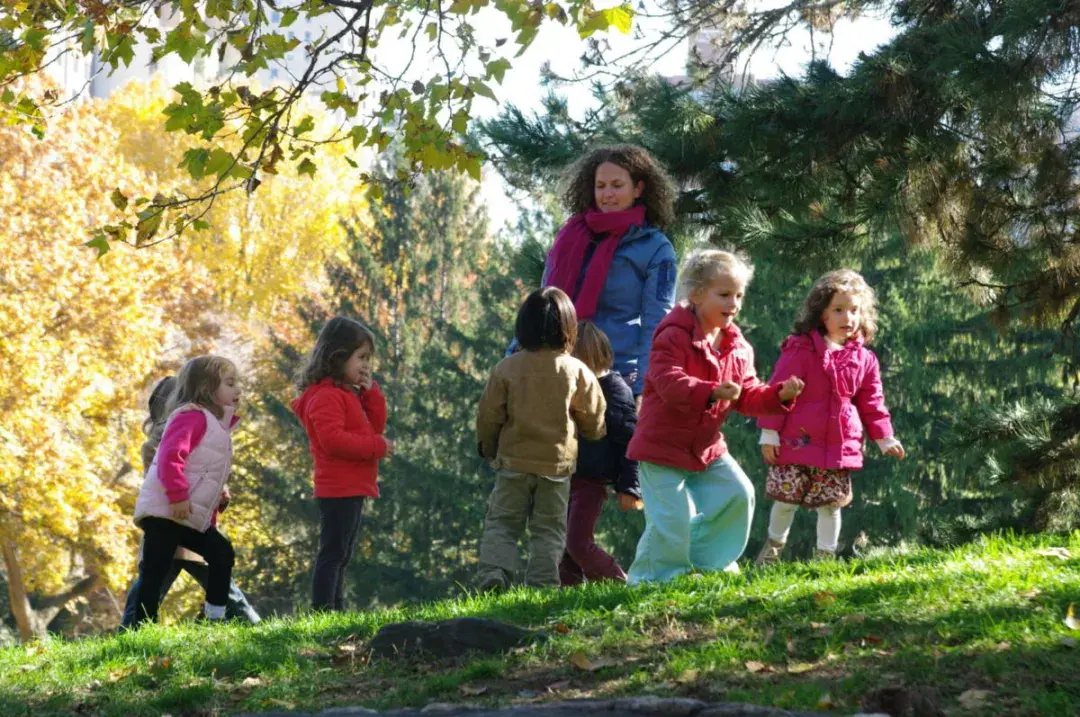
(584, 559)
(339, 525)
(161, 538)
(236, 606)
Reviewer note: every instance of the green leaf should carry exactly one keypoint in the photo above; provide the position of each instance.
(149, 223)
(432, 31)
(289, 17)
(200, 225)
(118, 199)
(219, 162)
(483, 90)
(496, 69)
(306, 125)
(358, 134)
(306, 167)
(195, 161)
(99, 242)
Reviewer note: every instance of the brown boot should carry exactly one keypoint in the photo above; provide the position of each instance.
(820, 554)
(770, 552)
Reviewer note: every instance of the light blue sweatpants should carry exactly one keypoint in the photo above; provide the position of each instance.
(692, 520)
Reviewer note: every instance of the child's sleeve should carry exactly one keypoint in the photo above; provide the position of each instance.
(677, 388)
(587, 406)
(621, 422)
(183, 433)
(374, 403)
(491, 415)
(758, 398)
(657, 301)
(786, 367)
(869, 401)
(327, 416)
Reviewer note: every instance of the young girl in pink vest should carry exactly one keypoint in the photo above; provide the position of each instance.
(698, 501)
(813, 450)
(183, 489)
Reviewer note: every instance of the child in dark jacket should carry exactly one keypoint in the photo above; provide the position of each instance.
(599, 464)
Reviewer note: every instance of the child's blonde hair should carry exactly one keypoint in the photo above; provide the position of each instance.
(701, 267)
(198, 381)
(822, 293)
(593, 348)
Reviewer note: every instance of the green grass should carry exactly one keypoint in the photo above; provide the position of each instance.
(988, 616)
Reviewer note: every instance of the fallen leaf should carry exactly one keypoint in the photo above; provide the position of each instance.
(561, 628)
(1070, 619)
(159, 664)
(800, 667)
(308, 653)
(1003, 646)
(473, 690)
(755, 667)
(560, 685)
(116, 675)
(1059, 553)
(854, 618)
(790, 646)
(580, 661)
(826, 702)
(974, 699)
(819, 625)
(251, 682)
(1068, 642)
(1029, 594)
(347, 648)
(824, 598)
(874, 639)
(688, 677)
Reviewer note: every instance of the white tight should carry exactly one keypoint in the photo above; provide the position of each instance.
(828, 524)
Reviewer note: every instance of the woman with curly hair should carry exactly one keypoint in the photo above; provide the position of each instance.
(612, 257)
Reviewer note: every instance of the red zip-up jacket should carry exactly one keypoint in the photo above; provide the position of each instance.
(679, 426)
(345, 435)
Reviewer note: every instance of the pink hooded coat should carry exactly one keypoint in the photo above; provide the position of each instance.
(843, 397)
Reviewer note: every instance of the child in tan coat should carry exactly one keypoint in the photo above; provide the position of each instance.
(526, 424)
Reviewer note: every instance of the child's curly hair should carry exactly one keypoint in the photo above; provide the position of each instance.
(822, 293)
(579, 194)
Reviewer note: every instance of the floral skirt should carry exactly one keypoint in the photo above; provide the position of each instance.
(808, 486)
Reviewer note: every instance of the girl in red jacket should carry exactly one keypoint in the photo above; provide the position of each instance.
(812, 450)
(698, 502)
(344, 414)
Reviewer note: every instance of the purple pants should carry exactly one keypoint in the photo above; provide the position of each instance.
(584, 559)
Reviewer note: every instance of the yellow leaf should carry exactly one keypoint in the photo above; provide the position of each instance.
(1070, 620)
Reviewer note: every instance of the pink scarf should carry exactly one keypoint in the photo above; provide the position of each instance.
(567, 256)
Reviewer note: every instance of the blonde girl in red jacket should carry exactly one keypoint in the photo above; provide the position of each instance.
(344, 414)
(698, 501)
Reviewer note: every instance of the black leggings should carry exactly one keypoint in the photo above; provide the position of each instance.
(339, 525)
(161, 539)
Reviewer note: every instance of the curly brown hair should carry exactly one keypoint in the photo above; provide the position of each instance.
(579, 194)
(822, 293)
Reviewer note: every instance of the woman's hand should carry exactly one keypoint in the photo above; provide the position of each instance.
(770, 453)
(727, 391)
(791, 388)
(181, 510)
(629, 502)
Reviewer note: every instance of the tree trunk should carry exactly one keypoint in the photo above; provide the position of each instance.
(34, 622)
(20, 601)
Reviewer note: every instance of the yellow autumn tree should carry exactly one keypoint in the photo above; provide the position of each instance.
(78, 336)
(262, 251)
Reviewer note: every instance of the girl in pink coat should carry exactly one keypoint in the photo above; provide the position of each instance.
(813, 449)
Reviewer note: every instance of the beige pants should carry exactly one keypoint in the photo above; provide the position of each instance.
(520, 500)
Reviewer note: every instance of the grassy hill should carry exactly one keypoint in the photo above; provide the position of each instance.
(980, 630)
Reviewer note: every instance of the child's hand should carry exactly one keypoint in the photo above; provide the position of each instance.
(770, 453)
(223, 503)
(390, 447)
(365, 379)
(791, 388)
(181, 510)
(727, 391)
(896, 449)
(629, 502)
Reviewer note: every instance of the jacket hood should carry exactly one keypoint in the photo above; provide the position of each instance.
(300, 405)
